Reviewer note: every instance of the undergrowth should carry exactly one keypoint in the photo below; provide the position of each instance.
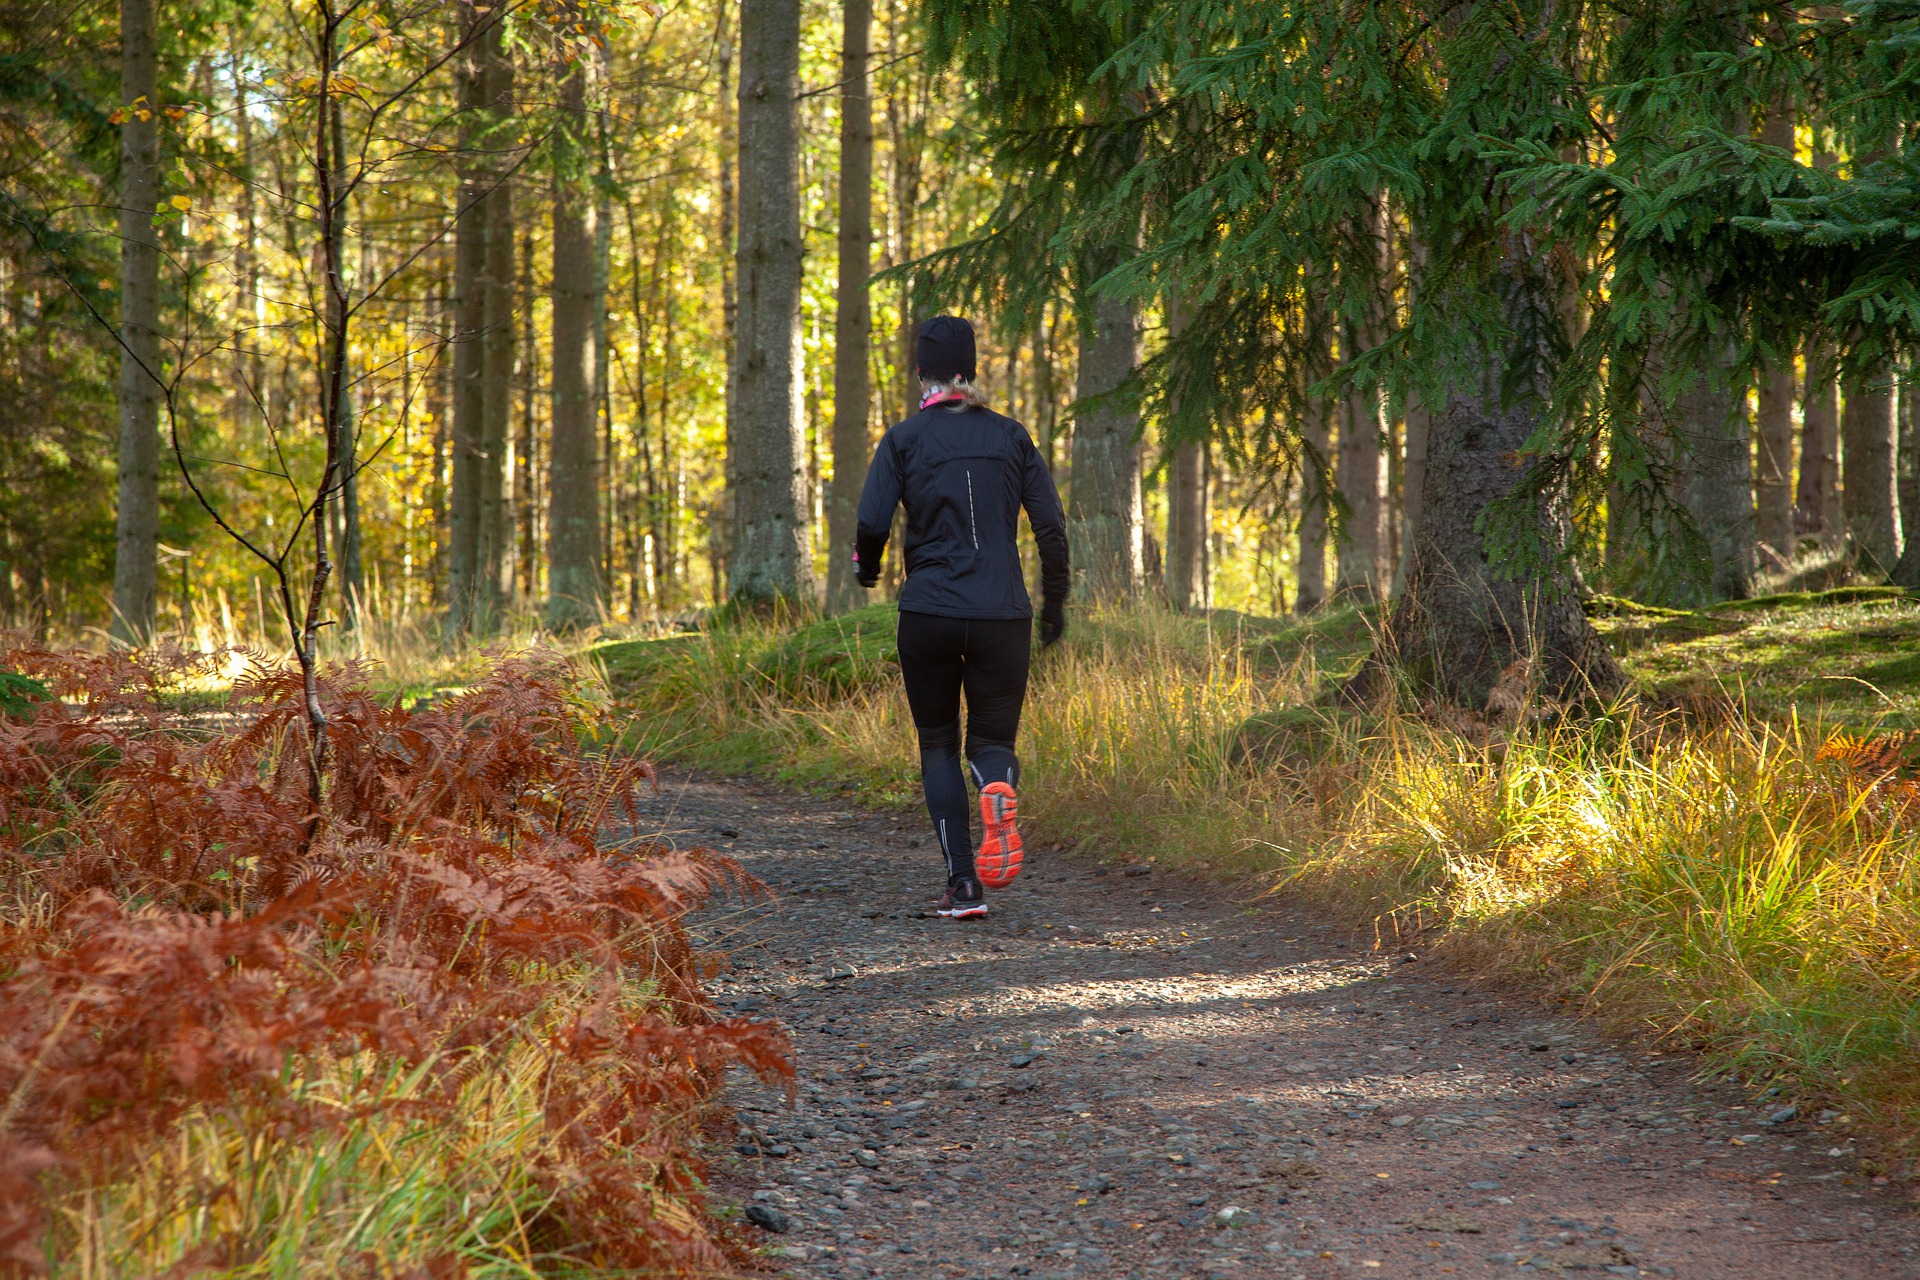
(438, 1028)
(1737, 873)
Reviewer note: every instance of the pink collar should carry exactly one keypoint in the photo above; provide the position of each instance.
(942, 397)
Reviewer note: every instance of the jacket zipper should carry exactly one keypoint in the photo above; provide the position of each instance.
(972, 524)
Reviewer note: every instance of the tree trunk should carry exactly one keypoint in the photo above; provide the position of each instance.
(1362, 485)
(1719, 478)
(1104, 525)
(1413, 483)
(1816, 498)
(1867, 486)
(1906, 572)
(1773, 472)
(722, 516)
(575, 594)
(1773, 475)
(1189, 584)
(353, 577)
(496, 347)
(853, 311)
(137, 520)
(1464, 620)
(767, 455)
(1315, 442)
(477, 179)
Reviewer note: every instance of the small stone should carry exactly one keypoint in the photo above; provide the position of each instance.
(1783, 1115)
(1503, 1259)
(768, 1218)
(1487, 1185)
(1234, 1218)
(840, 973)
(1567, 1104)
(866, 1159)
(1020, 1060)
(1400, 1122)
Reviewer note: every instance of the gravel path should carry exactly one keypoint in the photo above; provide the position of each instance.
(1123, 1075)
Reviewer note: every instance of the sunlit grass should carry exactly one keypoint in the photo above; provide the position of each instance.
(1711, 882)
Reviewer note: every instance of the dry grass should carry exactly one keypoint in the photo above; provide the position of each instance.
(1732, 886)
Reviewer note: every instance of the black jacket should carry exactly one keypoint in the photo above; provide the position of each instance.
(964, 476)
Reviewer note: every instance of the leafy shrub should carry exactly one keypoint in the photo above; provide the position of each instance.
(196, 939)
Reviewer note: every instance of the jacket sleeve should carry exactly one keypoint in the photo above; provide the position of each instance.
(878, 499)
(1049, 524)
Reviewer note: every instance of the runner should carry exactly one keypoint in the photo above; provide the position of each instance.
(966, 623)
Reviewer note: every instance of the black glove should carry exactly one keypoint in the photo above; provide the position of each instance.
(862, 575)
(1053, 623)
(869, 583)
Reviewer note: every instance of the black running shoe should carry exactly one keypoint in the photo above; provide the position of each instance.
(962, 901)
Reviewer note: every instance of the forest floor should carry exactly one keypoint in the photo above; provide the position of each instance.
(1143, 1076)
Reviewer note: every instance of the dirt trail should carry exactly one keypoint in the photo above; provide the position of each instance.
(1119, 1076)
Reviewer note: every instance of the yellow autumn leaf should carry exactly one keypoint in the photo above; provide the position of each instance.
(181, 203)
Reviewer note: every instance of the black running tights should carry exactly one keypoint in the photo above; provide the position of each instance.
(939, 658)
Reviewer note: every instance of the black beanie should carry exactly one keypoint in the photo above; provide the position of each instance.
(944, 349)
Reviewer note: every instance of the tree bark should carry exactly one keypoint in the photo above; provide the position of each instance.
(1463, 619)
(1189, 584)
(136, 552)
(853, 311)
(1906, 572)
(1362, 485)
(770, 560)
(1719, 478)
(1315, 441)
(1868, 483)
(1412, 487)
(466, 446)
(353, 577)
(1816, 498)
(496, 355)
(575, 593)
(1773, 472)
(1104, 524)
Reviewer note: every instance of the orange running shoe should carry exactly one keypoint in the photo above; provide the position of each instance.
(998, 861)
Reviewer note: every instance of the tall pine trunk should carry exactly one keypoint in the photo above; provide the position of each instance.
(767, 450)
(853, 311)
(1464, 619)
(1315, 441)
(496, 348)
(137, 519)
(1868, 481)
(575, 593)
(477, 178)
